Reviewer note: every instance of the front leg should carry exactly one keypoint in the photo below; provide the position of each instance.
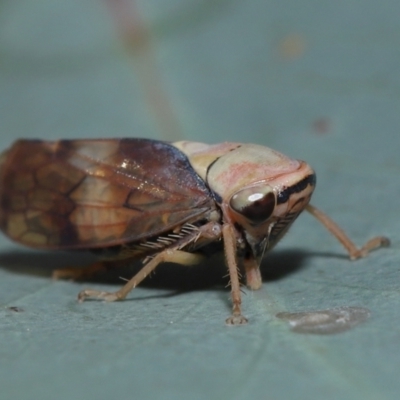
(230, 254)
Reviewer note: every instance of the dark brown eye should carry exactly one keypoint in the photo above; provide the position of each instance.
(256, 203)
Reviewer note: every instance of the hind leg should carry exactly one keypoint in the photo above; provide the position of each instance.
(175, 256)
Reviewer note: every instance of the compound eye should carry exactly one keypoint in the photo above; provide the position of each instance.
(256, 203)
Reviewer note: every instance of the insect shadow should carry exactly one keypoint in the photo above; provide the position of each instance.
(209, 274)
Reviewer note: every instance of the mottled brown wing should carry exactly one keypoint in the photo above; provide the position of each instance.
(96, 193)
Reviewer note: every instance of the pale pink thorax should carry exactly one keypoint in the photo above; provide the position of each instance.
(235, 166)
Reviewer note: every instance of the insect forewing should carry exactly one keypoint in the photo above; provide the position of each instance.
(96, 193)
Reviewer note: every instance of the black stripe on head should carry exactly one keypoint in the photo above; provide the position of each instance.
(284, 195)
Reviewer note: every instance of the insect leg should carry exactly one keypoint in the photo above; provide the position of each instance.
(353, 251)
(230, 254)
(84, 272)
(201, 235)
(168, 255)
(253, 273)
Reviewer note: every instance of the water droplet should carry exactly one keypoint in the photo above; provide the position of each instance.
(325, 322)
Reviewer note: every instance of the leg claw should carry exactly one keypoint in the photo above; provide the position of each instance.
(106, 296)
(237, 319)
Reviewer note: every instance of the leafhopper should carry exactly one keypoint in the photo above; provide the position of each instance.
(158, 201)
